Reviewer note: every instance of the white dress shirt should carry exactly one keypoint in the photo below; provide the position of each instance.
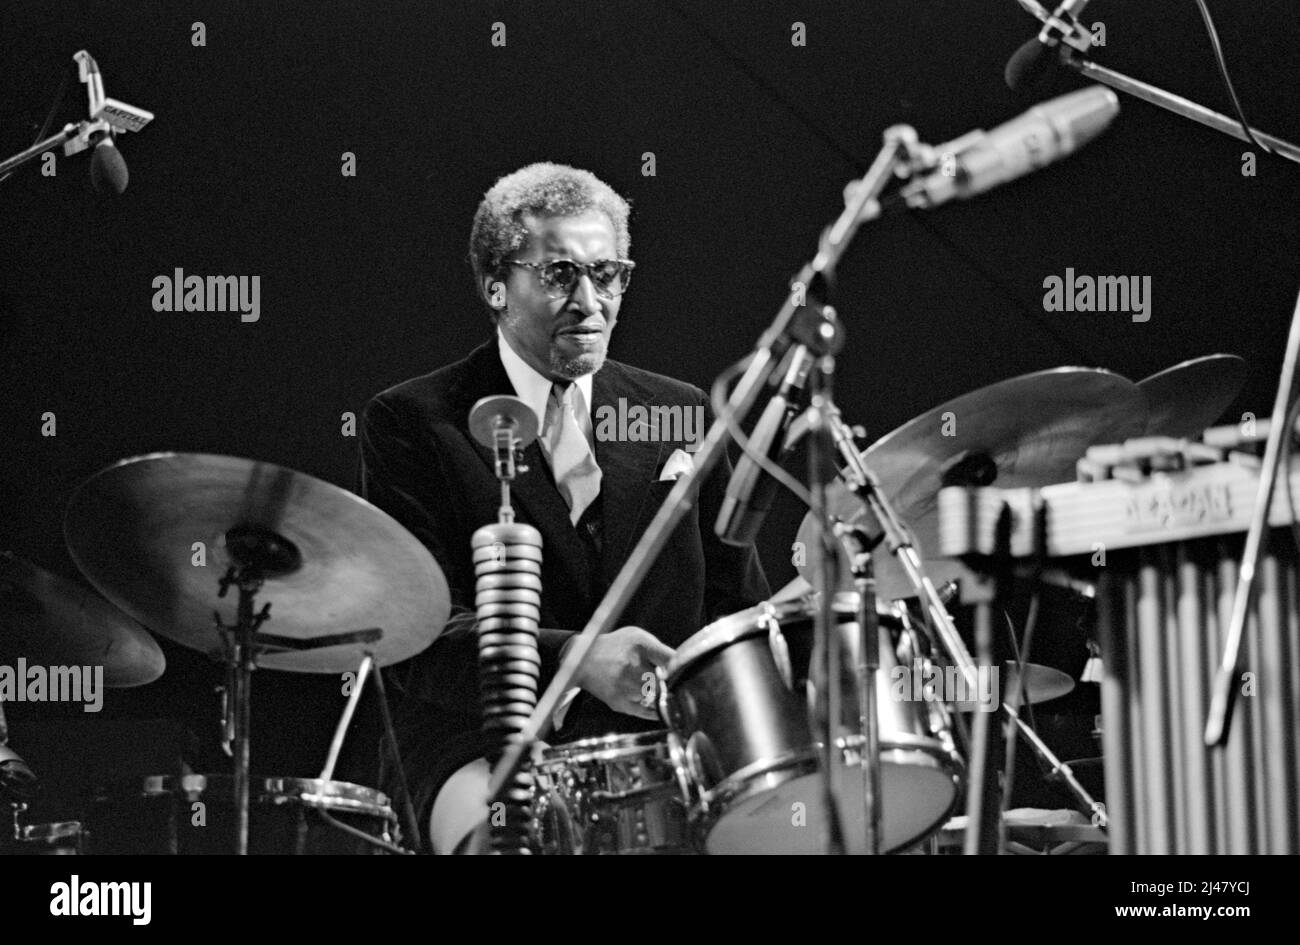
(535, 390)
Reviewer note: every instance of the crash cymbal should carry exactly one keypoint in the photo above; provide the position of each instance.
(1026, 431)
(51, 620)
(156, 533)
(1185, 399)
(1042, 683)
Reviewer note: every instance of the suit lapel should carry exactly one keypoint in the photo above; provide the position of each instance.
(533, 492)
(627, 468)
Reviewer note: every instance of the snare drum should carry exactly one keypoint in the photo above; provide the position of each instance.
(735, 695)
(618, 794)
(195, 814)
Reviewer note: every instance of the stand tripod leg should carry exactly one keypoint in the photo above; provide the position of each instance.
(242, 696)
(405, 804)
(983, 802)
(406, 808)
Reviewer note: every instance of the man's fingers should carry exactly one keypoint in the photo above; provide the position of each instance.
(657, 652)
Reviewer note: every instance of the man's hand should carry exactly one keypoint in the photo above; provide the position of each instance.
(620, 670)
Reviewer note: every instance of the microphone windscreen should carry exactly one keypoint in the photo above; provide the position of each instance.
(1028, 65)
(107, 168)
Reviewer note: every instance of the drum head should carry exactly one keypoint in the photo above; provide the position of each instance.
(919, 791)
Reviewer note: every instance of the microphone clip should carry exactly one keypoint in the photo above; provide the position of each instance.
(107, 115)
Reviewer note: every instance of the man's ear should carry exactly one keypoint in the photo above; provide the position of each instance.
(494, 292)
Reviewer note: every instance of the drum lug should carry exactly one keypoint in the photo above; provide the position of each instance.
(677, 755)
(780, 651)
(662, 701)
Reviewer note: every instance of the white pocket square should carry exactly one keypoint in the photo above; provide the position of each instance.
(681, 463)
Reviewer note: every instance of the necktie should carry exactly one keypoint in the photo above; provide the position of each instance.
(574, 465)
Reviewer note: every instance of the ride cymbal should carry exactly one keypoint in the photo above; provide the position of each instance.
(1025, 431)
(155, 534)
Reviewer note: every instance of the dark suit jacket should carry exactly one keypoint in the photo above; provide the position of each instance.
(421, 465)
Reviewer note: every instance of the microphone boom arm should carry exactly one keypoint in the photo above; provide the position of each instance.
(1175, 103)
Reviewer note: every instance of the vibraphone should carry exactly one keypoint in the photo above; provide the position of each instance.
(1163, 548)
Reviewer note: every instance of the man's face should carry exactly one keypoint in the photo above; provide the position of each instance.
(567, 337)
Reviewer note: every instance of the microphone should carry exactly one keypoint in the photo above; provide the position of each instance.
(1045, 133)
(1030, 62)
(507, 559)
(751, 490)
(108, 117)
(107, 166)
(16, 779)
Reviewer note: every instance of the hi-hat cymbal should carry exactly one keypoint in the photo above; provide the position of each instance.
(1185, 399)
(156, 533)
(47, 618)
(1026, 431)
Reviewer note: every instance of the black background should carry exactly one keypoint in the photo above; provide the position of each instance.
(364, 279)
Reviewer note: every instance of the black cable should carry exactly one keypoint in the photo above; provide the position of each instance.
(721, 409)
(49, 118)
(1227, 80)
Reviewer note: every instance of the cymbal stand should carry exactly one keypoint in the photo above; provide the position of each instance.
(257, 554)
(241, 659)
(857, 544)
(366, 671)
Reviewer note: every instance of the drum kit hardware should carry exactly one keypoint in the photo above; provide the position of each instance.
(163, 538)
(739, 764)
(736, 768)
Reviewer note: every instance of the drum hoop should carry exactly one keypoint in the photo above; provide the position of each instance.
(734, 787)
(605, 747)
(311, 792)
(747, 623)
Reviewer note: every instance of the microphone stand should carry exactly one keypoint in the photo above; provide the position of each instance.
(861, 205)
(83, 130)
(1073, 58)
(863, 483)
(1224, 694)
(1174, 103)
(827, 708)
(857, 543)
(106, 116)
